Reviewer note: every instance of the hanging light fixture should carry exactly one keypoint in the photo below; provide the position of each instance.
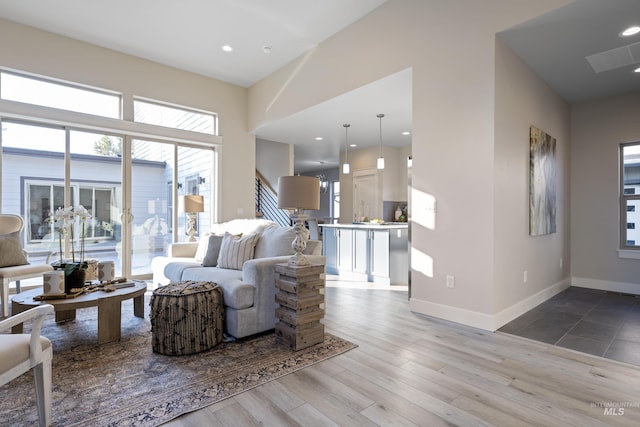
(380, 158)
(324, 182)
(345, 165)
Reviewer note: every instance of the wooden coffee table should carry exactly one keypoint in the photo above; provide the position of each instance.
(108, 303)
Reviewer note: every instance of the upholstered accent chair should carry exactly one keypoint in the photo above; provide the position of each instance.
(14, 261)
(21, 352)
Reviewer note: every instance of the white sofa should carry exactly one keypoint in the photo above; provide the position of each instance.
(249, 290)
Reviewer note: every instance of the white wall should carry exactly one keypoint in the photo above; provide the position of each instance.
(273, 160)
(453, 128)
(43, 53)
(524, 100)
(598, 128)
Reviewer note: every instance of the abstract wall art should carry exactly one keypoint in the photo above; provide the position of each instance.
(542, 182)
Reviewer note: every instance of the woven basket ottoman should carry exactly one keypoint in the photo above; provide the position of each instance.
(186, 318)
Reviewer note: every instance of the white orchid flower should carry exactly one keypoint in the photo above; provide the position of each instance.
(82, 213)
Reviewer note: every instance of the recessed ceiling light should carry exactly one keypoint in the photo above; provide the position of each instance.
(630, 31)
(406, 132)
(637, 70)
(319, 138)
(353, 145)
(227, 48)
(266, 49)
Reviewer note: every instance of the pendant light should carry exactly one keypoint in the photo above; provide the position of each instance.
(380, 158)
(345, 166)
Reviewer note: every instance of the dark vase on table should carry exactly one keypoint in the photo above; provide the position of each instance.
(74, 279)
(74, 274)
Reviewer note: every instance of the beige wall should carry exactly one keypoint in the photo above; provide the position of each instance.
(598, 128)
(51, 55)
(453, 102)
(524, 100)
(392, 179)
(273, 160)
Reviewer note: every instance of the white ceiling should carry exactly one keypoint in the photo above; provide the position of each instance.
(189, 34)
(556, 45)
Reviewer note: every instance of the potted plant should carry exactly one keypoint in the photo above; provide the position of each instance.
(65, 220)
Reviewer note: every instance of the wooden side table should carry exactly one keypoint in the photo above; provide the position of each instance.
(300, 293)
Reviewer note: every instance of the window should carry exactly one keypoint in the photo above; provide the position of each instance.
(64, 96)
(335, 201)
(156, 113)
(45, 198)
(128, 184)
(630, 195)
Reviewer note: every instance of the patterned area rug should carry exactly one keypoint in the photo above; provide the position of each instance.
(125, 383)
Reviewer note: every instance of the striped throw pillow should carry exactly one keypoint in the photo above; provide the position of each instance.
(235, 250)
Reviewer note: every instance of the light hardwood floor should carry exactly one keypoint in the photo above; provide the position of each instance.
(413, 370)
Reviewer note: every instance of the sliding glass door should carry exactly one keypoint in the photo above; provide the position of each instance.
(152, 166)
(96, 184)
(33, 175)
(132, 196)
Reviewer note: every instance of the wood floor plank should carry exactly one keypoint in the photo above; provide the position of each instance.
(309, 416)
(489, 413)
(382, 396)
(232, 416)
(411, 369)
(261, 408)
(384, 416)
(339, 411)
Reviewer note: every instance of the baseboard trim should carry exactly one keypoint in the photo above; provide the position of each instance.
(485, 321)
(452, 314)
(518, 309)
(606, 285)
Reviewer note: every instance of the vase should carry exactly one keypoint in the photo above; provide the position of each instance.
(73, 279)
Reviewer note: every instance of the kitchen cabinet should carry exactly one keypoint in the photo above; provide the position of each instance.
(370, 252)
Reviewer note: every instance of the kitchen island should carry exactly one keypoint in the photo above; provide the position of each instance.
(372, 252)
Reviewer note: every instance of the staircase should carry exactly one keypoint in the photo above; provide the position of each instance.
(267, 203)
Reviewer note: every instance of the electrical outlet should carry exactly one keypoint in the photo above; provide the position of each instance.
(451, 280)
(525, 277)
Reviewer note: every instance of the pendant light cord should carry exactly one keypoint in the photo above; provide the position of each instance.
(380, 116)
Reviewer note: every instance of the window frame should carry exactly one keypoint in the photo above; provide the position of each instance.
(624, 198)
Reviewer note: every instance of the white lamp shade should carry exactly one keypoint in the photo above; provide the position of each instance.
(380, 162)
(345, 168)
(192, 203)
(299, 192)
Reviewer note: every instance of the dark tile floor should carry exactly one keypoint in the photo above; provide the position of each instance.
(602, 323)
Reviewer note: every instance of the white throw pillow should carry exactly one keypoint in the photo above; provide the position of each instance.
(235, 250)
(11, 250)
(203, 245)
(275, 241)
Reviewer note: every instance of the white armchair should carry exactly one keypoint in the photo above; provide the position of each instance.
(21, 352)
(14, 263)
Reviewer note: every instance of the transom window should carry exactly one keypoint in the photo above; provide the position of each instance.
(64, 96)
(171, 116)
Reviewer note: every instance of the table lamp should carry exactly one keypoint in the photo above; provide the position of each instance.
(192, 204)
(297, 193)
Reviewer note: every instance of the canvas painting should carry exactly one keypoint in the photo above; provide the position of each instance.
(542, 183)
